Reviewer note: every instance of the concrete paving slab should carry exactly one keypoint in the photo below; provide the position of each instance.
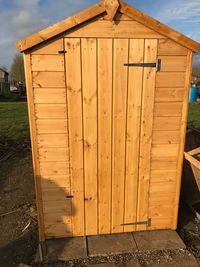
(66, 248)
(162, 239)
(110, 244)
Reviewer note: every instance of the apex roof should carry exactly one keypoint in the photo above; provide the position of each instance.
(110, 7)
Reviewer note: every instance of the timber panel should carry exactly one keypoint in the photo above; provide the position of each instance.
(120, 56)
(105, 79)
(108, 29)
(104, 135)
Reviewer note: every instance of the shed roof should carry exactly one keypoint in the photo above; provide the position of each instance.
(1, 69)
(111, 7)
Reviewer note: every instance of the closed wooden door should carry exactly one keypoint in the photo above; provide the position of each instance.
(110, 111)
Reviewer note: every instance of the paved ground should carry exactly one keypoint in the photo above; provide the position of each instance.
(140, 249)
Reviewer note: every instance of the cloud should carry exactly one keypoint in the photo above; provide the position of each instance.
(19, 18)
(180, 11)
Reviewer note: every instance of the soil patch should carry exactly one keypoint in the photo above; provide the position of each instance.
(18, 221)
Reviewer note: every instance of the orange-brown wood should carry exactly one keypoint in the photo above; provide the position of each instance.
(108, 135)
(35, 155)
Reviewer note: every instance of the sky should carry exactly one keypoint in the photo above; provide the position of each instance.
(19, 18)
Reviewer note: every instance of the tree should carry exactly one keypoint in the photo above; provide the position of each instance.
(17, 69)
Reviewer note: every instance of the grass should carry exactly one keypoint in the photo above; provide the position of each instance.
(14, 121)
(194, 115)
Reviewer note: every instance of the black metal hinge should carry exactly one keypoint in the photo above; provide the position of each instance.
(62, 52)
(148, 223)
(156, 65)
(69, 196)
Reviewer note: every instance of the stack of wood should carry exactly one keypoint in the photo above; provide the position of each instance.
(191, 171)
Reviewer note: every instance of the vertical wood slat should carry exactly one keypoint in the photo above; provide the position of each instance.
(146, 131)
(182, 137)
(33, 134)
(74, 105)
(105, 73)
(89, 83)
(136, 54)
(118, 138)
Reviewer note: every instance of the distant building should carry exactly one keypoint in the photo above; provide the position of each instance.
(3, 75)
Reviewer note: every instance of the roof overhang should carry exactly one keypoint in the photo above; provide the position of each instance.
(110, 7)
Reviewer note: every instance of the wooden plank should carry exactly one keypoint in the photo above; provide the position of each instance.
(111, 7)
(55, 194)
(107, 29)
(149, 78)
(161, 211)
(168, 109)
(158, 188)
(89, 83)
(169, 47)
(51, 126)
(120, 87)
(170, 79)
(135, 80)
(54, 220)
(192, 160)
(53, 154)
(169, 94)
(55, 181)
(50, 111)
(48, 79)
(159, 27)
(166, 137)
(161, 197)
(47, 62)
(118, 16)
(33, 135)
(52, 140)
(194, 152)
(55, 230)
(163, 176)
(105, 78)
(173, 63)
(60, 27)
(164, 163)
(49, 95)
(166, 150)
(57, 168)
(74, 103)
(160, 223)
(48, 48)
(166, 123)
(183, 134)
(62, 206)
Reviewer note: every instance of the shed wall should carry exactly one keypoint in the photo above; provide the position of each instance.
(49, 111)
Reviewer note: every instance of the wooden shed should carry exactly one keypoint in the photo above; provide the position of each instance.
(107, 95)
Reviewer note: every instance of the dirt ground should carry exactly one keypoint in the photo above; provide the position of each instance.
(18, 221)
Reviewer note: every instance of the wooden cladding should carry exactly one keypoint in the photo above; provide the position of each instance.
(108, 29)
(107, 135)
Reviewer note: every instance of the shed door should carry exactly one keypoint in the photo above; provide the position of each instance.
(110, 113)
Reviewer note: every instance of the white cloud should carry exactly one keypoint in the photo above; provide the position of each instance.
(19, 18)
(180, 11)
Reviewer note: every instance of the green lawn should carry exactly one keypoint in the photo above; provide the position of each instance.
(14, 121)
(194, 115)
